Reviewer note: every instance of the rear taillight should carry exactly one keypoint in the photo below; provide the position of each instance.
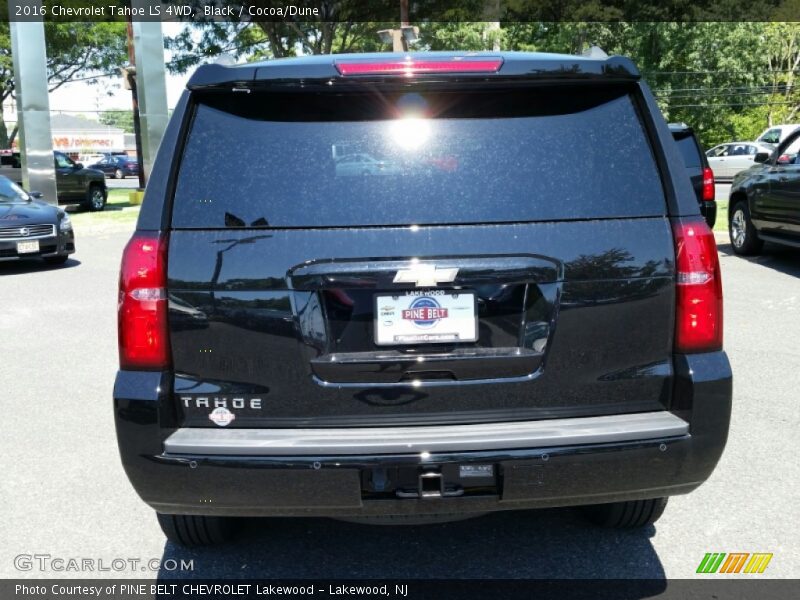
(708, 184)
(142, 307)
(419, 66)
(698, 297)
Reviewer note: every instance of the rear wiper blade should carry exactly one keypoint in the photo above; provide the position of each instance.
(232, 220)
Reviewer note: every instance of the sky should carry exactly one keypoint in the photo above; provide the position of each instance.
(108, 94)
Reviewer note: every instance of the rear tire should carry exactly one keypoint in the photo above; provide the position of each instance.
(742, 233)
(626, 515)
(196, 530)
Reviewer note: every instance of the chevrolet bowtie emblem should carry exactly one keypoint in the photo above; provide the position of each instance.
(426, 275)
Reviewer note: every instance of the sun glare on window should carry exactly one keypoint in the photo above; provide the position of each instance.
(409, 133)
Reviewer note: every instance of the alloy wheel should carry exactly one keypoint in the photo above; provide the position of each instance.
(97, 200)
(738, 228)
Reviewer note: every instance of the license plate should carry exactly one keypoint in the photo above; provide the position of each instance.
(27, 247)
(425, 317)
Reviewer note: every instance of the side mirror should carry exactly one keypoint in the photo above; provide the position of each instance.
(761, 157)
(36, 195)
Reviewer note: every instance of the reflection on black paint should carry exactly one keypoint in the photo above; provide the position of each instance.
(265, 331)
(389, 396)
(612, 276)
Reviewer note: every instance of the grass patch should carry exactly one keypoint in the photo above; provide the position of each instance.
(721, 224)
(118, 212)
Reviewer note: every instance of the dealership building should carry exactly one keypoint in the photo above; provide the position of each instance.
(76, 135)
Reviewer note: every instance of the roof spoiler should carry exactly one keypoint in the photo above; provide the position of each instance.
(534, 67)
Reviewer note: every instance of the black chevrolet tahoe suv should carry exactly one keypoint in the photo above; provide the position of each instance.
(450, 283)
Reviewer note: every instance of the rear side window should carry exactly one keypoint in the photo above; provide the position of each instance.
(689, 151)
(327, 160)
(773, 136)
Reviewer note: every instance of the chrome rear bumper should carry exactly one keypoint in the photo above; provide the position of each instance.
(402, 440)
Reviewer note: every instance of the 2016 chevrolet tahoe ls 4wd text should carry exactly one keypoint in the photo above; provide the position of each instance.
(442, 284)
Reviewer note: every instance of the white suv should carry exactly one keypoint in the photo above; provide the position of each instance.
(777, 133)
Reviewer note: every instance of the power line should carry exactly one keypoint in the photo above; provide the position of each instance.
(663, 100)
(766, 86)
(715, 95)
(100, 76)
(93, 110)
(763, 72)
(731, 105)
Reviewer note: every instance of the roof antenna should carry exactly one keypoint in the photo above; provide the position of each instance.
(594, 52)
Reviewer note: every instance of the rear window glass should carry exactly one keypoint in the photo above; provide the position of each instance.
(689, 151)
(326, 160)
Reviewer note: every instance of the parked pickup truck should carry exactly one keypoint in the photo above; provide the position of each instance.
(75, 184)
(764, 204)
(489, 324)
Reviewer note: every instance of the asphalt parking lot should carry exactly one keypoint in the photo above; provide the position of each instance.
(65, 494)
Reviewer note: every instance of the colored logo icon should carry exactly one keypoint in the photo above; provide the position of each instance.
(735, 562)
(425, 312)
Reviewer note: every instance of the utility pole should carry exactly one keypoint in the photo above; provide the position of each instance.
(401, 37)
(129, 75)
(29, 58)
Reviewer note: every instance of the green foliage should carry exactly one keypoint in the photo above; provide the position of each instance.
(465, 36)
(74, 51)
(727, 80)
(118, 118)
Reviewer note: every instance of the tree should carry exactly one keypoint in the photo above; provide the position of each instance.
(118, 118)
(75, 51)
(341, 27)
(782, 50)
(253, 41)
(728, 79)
(462, 35)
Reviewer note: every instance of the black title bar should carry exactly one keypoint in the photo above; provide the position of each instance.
(415, 589)
(420, 11)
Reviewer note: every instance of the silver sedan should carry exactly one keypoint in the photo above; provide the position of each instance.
(726, 160)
